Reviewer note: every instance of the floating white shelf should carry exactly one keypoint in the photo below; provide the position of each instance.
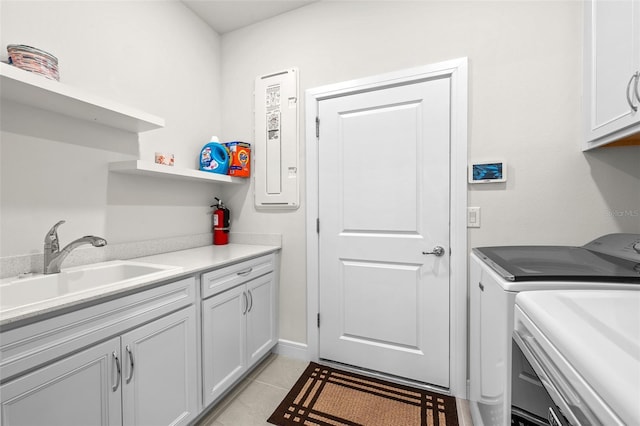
(37, 91)
(146, 168)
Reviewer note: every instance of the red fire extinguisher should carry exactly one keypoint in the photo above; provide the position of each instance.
(220, 223)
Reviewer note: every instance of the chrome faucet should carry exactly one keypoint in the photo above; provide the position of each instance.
(53, 256)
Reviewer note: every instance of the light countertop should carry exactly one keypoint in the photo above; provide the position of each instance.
(185, 262)
(208, 257)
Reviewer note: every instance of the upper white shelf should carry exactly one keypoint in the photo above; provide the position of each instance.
(37, 91)
(146, 168)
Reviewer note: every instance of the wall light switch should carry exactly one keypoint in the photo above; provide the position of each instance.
(473, 217)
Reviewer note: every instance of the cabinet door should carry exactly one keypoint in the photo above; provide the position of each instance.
(82, 390)
(612, 57)
(159, 382)
(261, 317)
(223, 341)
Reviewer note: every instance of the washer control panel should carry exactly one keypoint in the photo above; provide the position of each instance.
(625, 246)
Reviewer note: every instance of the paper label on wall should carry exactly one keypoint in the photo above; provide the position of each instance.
(273, 125)
(273, 97)
(274, 153)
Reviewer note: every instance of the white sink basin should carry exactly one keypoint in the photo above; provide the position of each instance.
(18, 293)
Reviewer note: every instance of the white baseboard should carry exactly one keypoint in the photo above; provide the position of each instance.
(293, 350)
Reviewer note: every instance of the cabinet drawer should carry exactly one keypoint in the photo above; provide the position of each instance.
(225, 278)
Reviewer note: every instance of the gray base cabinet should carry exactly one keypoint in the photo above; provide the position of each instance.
(238, 323)
(139, 375)
(74, 391)
(155, 357)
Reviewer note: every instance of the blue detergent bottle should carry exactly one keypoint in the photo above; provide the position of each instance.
(214, 157)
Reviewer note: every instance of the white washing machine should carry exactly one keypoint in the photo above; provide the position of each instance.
(497, 275)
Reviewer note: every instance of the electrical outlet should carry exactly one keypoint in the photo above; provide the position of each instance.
(473, 217)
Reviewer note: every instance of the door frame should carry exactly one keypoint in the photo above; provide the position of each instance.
(457, 71)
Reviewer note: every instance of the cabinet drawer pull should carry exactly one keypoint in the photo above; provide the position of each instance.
(635, 89)
(117, 385)
(245, 272)
(130, 365)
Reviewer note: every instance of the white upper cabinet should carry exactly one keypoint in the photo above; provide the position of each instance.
(612, 71)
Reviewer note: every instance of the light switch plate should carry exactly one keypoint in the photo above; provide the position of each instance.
(473, 217)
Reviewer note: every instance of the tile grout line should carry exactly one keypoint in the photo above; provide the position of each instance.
(271, 385)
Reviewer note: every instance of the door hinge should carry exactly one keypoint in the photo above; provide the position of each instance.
(318, 320)
(317, 127)
(318, 225)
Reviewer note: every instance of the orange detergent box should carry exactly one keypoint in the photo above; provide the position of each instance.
(239, 159)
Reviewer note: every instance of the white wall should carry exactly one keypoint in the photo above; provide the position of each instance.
(524, 84)
(525, 107)
(156, 56)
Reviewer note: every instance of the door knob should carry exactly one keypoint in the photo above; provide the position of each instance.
(437, 251)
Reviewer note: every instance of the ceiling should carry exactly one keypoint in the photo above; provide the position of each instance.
(228, 15)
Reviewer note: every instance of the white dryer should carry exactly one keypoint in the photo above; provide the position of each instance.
(497, 275)
(590, 367)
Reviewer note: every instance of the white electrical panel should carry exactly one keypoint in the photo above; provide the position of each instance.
(275, 150)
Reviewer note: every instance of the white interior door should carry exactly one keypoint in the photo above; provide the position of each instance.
(383, 203)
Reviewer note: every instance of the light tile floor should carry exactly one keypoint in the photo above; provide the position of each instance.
(254, 399)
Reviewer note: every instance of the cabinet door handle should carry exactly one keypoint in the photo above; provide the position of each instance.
(130, 365)
(245, 272)
(246, 302)
(635, 89)
(119, 371)
(250, 300)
